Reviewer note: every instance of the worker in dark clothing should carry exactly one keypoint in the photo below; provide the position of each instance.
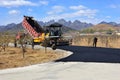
(15, 43)
(32, 44)
(95, 41)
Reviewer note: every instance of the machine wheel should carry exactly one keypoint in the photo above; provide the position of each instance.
(54, 47)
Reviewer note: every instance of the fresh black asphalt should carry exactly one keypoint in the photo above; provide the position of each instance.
(91, 54)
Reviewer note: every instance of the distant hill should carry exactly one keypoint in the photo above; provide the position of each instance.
(67, 25)
(103, 27)
(14, 28)
(100, 27)
(77, 25)
(110, 23)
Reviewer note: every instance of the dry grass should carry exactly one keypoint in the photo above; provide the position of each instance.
(12, 57)
(103, 41)
(104, 27)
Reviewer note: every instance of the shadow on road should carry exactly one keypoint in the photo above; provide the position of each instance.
(91, 54)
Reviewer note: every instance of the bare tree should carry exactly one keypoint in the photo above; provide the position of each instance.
(22, 41)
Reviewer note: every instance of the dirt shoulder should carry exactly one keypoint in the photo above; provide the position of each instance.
(13, 57)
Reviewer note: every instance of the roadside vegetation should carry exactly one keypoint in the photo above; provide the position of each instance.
(11, 57)
(108, 41)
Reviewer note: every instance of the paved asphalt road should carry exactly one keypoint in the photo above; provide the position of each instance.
(91, 54)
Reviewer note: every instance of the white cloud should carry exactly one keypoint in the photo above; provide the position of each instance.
(108, 17)
(16, 3)
(80, 7)
(43, 2)
(114, 6)
(13, 12)
(83, 11)
(30, 10)
(76, 12)
(56, 9)
(118, 20)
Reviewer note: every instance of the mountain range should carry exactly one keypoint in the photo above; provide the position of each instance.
(67, 25)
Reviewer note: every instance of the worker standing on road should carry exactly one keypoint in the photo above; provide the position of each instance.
(95, 41)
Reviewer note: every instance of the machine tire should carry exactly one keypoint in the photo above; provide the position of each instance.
(53, 47)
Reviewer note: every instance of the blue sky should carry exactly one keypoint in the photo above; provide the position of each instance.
(90, 11)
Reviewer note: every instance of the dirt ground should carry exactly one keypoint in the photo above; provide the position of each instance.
(13, 57)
